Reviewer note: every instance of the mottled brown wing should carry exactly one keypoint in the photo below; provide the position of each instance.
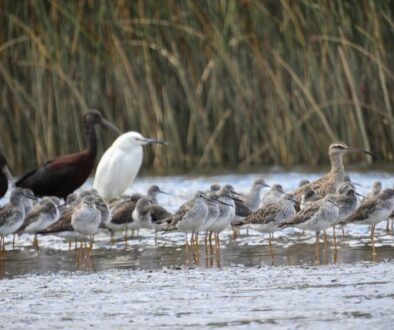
(241, 209)
(63, 224)
(5, 213)
(362, 212)
(30, 217)
(158, 213)
(305, 214)
(172, 220)
(264, 215)
(123, 214)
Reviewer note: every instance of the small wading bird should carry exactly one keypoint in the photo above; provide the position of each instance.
(5, 176)
(61, 176)
(41, 216)
(120, 164)
(270, 216)
(329, 183)
(373, 211)
(317, 217)
(12, 214)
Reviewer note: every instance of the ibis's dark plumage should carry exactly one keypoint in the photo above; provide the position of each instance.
(63, 175)
(5, 175)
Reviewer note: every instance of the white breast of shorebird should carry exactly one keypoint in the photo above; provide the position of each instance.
(346, 201)
(141, 214)
(213, 214)
(12, 213)
(86, 218)
(253, 198)
(195, 217)
(273, 195)
(226, 214)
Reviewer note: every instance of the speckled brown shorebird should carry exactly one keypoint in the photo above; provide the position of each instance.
(316, 217)
(329, 183)
(268, 218)
(373, 211)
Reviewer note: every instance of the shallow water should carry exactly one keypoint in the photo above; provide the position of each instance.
(148, 284)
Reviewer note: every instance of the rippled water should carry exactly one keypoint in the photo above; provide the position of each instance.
(148, 284)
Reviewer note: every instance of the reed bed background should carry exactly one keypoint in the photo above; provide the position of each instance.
(232, 83)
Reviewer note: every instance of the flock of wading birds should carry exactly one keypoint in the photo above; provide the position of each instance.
(44, 201)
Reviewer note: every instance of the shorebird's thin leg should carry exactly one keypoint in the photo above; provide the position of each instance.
(125, 236)
(317, 247)
(218, 250)
(112, 240)
(69, 245)
(271, 250)
(388, 226)
(343, 231)
(91, 242)
(206, 244)
(217, 241)
(235, 234)
(373, 239)
(334, 237)
(13, 242)
(325, 248)
(192, 239)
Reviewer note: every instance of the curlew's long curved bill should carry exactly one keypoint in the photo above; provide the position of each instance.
(352, 149)
(8, 174)
(111, 126)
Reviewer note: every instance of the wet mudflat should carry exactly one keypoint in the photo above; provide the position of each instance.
(159, 285)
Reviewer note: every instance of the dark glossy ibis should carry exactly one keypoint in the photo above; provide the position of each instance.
(5, 175)
(61, 176)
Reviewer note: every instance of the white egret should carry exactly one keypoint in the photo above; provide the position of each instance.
(120, 164)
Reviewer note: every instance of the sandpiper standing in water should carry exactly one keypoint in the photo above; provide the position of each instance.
(373, 211)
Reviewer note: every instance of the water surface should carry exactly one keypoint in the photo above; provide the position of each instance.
(158, 285)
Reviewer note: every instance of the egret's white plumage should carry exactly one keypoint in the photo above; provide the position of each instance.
(120, 164)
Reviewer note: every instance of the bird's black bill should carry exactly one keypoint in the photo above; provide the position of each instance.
(63, 205)
(111, 126)
(31, 197)
(164, 192)
(362, 151)
(215, 201)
